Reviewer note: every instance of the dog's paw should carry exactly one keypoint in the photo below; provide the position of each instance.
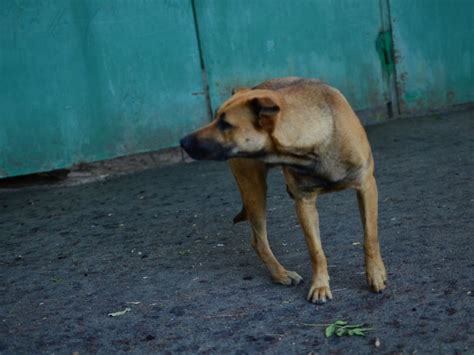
(376, 277)
(288, 278)
(319, 294)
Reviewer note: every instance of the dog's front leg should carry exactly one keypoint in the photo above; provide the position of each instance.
(309, 220)
(367, 197)
(263, 250)
(251, 179)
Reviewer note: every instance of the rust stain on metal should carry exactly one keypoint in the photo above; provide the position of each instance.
(401, 89)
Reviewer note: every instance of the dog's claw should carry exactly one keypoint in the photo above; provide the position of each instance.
(288, 278)
(376, 277)
(377, 285)
(319, 294)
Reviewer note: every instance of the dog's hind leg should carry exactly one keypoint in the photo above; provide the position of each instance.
(375, 268)
(250, 176)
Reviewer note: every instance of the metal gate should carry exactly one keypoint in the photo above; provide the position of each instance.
(246, 42)
(434, 53)
(388, 57)
(95, 79)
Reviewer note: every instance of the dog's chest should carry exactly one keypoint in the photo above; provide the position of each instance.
(321, 179)
(315, 182)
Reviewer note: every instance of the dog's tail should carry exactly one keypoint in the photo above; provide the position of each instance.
(241, 216)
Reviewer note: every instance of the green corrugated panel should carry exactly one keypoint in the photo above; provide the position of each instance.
(85, 80)
(434, 51)
(247, 41)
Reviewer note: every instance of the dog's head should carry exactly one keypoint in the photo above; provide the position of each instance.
(242, 127)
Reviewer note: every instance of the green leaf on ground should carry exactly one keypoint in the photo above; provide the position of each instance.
(330, 330)
(341, 328)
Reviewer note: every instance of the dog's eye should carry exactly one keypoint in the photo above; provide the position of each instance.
(223, 125)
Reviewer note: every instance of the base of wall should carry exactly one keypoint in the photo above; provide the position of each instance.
(89, 172)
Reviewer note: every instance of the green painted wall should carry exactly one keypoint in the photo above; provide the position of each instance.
(85, 80)
(245, 42)
(434, 51)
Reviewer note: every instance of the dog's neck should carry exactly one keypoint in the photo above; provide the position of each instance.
(301, 162)
(301, 158)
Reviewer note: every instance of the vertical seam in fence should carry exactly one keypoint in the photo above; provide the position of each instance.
(201, 60)
(391, 82)
(396, 93)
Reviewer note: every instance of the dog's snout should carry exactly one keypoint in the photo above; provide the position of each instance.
(193, 147)
(200, 149)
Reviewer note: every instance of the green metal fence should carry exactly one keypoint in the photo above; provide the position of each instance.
(85, 80)
(434, 51)
(245, 42)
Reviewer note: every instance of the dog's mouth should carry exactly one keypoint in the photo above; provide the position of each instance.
(204, 149)
(208, 149)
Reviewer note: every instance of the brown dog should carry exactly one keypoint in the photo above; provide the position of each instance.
(309, 129)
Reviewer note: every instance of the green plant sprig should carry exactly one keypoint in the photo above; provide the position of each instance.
(341, 328)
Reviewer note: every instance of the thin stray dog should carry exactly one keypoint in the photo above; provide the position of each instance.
(310, 130)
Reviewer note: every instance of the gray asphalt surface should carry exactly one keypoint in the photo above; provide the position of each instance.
(162, 243)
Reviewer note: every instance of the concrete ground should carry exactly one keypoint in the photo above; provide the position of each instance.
(161, 243)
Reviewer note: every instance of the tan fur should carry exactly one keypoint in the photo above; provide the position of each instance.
(309, 129)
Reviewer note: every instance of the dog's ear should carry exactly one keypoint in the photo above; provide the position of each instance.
(240, 90)
(267, 110)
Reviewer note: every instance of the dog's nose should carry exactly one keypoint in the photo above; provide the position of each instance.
(200, 149)
(191, 146)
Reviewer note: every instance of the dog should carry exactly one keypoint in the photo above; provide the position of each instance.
(309, 129)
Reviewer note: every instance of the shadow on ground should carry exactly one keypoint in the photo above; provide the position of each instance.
(162, 244)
